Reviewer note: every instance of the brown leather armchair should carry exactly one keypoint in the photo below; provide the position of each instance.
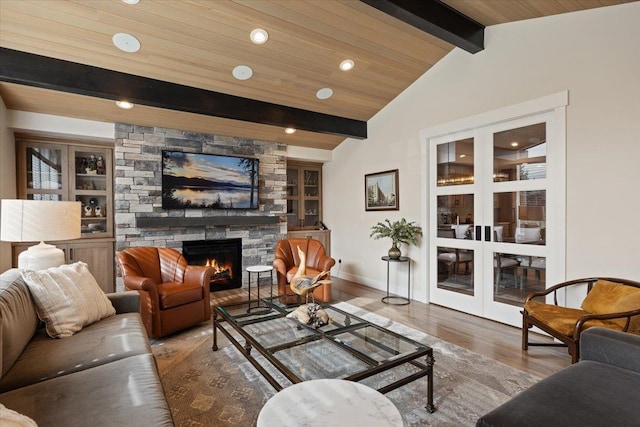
(173, 295)
(286, 264)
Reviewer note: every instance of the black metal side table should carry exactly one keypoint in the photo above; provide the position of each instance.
(259, 269)
(390, 298)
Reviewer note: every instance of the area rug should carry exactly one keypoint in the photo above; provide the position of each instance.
(221, 388)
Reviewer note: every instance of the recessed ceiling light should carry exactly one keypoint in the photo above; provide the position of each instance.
(347, 64)
(462, 156)
(242, 72)
(514, 144)
(131, 1)
(126, 42)
(289, 131)
(324, 93)
(259, 36)
(125, 105)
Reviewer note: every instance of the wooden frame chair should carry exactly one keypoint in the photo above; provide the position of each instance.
(609, 302)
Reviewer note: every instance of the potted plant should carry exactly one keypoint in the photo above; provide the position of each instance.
(399, 232)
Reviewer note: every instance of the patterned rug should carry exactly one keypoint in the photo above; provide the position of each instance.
(207, 388)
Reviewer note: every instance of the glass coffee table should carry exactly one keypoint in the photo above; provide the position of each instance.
(348, 348)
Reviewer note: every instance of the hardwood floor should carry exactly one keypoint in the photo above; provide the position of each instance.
(491, 339)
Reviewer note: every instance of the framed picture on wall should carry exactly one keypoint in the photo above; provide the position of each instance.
(381, 191)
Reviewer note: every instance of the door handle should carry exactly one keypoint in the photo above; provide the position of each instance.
(478, 231)
(487, 233)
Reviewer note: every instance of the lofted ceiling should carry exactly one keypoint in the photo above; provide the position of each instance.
(197, 43)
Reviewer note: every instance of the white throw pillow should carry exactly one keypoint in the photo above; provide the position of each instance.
(68, 298)
(11, 418)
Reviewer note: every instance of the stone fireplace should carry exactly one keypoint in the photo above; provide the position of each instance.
(224, 256)
(141, 221)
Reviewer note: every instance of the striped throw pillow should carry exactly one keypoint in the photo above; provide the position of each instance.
(68, 298)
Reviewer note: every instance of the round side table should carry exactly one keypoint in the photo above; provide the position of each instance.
(329, 402)
(257, 269)
(396, 299)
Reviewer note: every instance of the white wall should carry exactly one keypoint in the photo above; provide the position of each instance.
(7, 176)
(594, 55)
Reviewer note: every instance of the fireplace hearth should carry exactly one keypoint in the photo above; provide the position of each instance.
(224, 256)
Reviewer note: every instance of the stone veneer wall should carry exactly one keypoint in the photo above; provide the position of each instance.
(138, 188)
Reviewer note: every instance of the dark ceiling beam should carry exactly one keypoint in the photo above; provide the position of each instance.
(55, 74)
(437, 19)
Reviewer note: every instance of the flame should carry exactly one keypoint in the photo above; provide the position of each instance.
(220, 267)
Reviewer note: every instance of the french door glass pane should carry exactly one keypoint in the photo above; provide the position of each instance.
(455, 162)
(455, 270)
(520, 154)
(520, 217)
(516, 276)
(456, 212)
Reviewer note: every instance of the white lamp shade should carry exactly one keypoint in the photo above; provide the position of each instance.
(39, 220)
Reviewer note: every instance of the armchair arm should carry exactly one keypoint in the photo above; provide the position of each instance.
(280, 266)
(611, 347)
(199, 274)
(125, 302)
(325, 263)
(604, 316)
(139, 283)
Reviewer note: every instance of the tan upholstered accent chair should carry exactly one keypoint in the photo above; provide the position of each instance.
(173, 295)
(609, 303)
(286, 264)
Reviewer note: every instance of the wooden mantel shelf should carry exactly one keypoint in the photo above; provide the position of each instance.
(155, 222)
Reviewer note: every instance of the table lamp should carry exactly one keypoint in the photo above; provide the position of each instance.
(39, 220)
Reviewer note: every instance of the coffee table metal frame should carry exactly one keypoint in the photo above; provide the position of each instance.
(276, 310)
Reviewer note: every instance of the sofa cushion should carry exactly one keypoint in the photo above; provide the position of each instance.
(126, 392)
(18, 319)
(68, 298)
(113, 338)
(611, 297)
(564, 398)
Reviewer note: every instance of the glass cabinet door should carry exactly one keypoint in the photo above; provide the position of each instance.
(304, 196)
(44, 172)
(90, 186)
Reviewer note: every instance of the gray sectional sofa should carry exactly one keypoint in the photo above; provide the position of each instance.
(103, 375)
(600, 390)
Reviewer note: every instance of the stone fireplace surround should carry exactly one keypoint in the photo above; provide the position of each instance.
(141, 221)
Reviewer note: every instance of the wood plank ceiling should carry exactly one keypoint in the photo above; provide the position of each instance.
(197, 43)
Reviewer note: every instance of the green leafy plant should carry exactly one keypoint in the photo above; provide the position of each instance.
(399, 231)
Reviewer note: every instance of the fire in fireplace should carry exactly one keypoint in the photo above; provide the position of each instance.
(224, 256)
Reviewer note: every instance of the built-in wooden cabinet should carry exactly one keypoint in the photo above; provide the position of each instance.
(323, 236)
(304, 203)
(55, 169)
(304, 195)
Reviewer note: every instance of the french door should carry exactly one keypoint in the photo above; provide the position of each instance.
(496, 215)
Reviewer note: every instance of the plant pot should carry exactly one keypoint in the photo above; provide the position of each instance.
(394, 252)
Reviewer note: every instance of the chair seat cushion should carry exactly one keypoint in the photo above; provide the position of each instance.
(451, 257)
(174, 294)
(506, 262)
(563, 319)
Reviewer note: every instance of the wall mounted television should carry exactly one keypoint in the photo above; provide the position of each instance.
(208, 181)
